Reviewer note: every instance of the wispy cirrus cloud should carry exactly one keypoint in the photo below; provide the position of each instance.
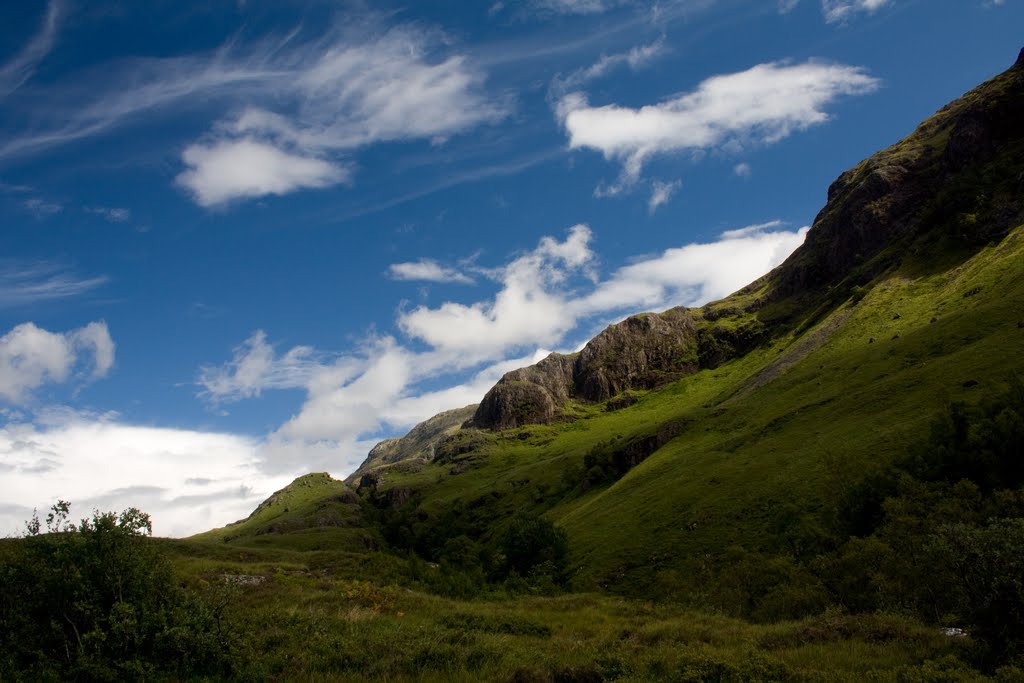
(761, 105)
(20, 68)
(661, 193)
(293, 109)
(427, 270)
(838, 11)
(112, 214)
(635, 58)
(841, 10)
(390, 87)
(255, 367)
(580, 6)
(26, 283)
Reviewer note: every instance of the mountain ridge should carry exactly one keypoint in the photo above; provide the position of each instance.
(873, 210)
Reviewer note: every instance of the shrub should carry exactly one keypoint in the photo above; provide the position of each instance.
(99, 601)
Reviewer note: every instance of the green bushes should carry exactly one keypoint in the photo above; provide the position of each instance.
(98, 601)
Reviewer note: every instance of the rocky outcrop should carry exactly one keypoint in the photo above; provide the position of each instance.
(531, 395)
(958, 174)
(419, 444)
(641, 352)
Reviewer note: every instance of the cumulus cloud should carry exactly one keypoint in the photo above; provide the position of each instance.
(547, 298)
(695, 273)
(233, 169)
(763, 104)
(189, 481)
(31, 357)
(525, 311)
(427, 270)
(661, 193)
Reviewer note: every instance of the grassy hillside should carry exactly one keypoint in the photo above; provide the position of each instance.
(836, 480)
(314, 512)
(765, 440)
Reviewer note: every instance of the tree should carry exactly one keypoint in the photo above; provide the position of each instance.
(98, 600)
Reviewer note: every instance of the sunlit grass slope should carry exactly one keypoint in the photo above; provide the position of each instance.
(314, 512)
(767, 440)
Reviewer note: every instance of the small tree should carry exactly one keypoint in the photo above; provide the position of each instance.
(98, 600)
(533, 544)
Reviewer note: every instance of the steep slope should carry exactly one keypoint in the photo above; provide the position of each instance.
(415, 448)
(754, 413)
(673, 439)
(933, 198)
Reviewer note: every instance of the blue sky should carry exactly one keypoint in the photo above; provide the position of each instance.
(247, 240)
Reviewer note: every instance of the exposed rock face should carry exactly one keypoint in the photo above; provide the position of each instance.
(921, 184)
(531, 395)
(419, 444)
(641, 352)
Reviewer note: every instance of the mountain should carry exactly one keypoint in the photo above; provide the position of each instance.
(674, 443)
(818, 477)
(922, 205)
(415, 448)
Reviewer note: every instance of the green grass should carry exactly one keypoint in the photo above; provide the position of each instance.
(849, 407)
(308, 619)
(314, 512)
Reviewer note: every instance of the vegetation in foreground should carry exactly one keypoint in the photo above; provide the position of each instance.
(829, 488)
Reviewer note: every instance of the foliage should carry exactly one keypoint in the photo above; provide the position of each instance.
(98, 601)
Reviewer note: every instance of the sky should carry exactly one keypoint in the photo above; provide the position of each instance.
(242, 241)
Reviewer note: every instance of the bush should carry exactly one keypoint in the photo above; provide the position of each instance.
(99, 601)
(534, 543)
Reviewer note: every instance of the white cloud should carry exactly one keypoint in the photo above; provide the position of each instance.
(661, 193)
(232, 169)
(24, 284)
(112, 214)
(526, 310)
(427, 270)
(22, 66)
(635, 58)
(31, 357)
(693, 274)
(351, 95)
(742, 169)
(255, 367)
(296, 107)
(548, 298)
(42, 208)
(840, 10)
(763, 104)
(580, 6)
(95, 337)
(188, 481)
